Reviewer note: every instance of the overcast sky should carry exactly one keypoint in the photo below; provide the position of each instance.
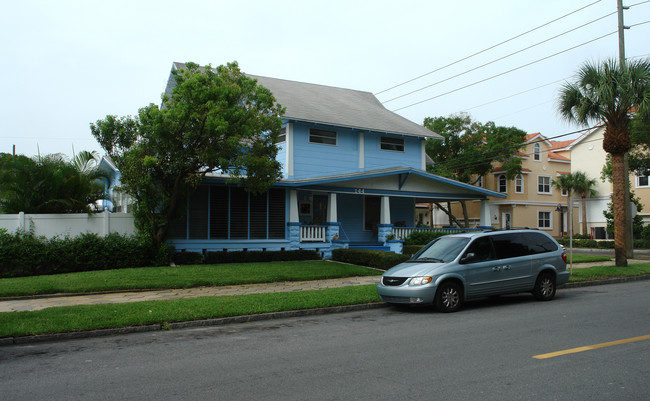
(66, 64)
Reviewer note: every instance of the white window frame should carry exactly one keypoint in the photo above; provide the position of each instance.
(550, 219)
(519, 184)
(391, 144)
(550, 189)
(537, 152)
(479, 182)
(499, 177)
(638, 181)
(282, 136)
(322, 137)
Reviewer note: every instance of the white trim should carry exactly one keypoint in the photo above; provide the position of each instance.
(362, 150)
(289, 153)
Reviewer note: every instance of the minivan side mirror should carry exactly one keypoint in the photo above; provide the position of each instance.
(468, 257)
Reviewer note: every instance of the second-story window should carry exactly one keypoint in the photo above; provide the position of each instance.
(543, 184)
(282, 136)
(322, 136)
(519, 184)
(396, 144)
(537, 152)
(642, 181)
(502, 183)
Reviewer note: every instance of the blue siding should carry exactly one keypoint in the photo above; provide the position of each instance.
(350, 214)
(376, 158)
(316, 159)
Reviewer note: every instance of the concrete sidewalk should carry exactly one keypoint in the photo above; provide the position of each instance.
(49, 301)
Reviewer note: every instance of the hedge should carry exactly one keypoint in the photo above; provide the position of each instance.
(378, 259)
(260, 256)
(23, 254)
(592, 243)
(423, 237)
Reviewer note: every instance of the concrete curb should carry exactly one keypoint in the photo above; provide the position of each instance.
(248, 318)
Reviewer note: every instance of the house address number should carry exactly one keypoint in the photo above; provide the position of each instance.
(359, 190)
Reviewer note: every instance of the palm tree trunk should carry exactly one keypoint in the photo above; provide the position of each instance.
(618, 200)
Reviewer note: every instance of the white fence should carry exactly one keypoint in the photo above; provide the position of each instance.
(71, 225)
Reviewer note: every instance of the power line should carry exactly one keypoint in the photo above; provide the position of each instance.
(498, 59)
(487, 49)
(504, 73)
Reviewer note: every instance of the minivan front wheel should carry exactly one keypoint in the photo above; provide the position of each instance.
(449, 297)
(544, 287)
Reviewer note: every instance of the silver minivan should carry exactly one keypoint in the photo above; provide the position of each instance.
(458, 267)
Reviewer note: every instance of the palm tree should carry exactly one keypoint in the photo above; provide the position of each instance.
(583, 185)
(608, 93)
(566, 183)
(49, 184)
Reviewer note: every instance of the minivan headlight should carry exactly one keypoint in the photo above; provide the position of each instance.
(420, 280)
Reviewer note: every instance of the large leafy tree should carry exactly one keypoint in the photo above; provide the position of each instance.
(215, 120)
(468, 150)
(609, 93)
(50, 184)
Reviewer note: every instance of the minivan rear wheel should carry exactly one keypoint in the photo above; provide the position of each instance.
(449, 297)
(544, 287)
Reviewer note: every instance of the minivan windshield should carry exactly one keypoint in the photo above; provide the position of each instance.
(443, 249)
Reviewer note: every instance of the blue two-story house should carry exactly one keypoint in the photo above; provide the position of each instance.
(352, 173)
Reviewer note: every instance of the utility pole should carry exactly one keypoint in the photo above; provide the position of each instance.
(629, 236)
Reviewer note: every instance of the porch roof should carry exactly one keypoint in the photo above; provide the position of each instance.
(395, 181)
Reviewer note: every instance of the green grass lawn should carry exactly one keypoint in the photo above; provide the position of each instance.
(179, 277)
(588, 258)
(91, 317)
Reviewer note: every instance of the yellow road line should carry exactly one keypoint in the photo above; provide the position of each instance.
(590, 347)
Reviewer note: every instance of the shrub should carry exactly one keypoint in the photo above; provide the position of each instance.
(23, 254)
(187, 258)
(411, 249)
(378, 259)
(423, 237)
(260, 256)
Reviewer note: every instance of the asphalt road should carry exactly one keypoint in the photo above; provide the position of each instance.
(485, 352)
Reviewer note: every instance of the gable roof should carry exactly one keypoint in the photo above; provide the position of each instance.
(336, 106)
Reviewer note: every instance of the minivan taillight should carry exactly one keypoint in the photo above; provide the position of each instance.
(564, 256)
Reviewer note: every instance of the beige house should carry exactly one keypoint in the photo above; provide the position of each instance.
(588, 156)
(531, 201)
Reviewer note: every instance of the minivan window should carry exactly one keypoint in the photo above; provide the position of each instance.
(443, 249)
(479, 251)
(510, 245)
(539, 243)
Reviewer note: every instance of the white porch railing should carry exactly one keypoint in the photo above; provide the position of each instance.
(312, 233)
(404, 232)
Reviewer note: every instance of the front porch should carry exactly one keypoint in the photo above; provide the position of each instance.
(371, 209)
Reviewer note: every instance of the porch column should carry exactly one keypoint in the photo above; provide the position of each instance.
(332, 219)
(485, 221)
(384, 217)
(384, 228)
(294, 221)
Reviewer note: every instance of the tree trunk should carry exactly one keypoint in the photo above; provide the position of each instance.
(465, 215)
(618, 204)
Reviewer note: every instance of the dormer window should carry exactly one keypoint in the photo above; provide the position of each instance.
(395, 144)
(322, 136)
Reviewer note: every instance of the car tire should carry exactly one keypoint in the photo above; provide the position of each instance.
(449, 297)
(544, 287)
